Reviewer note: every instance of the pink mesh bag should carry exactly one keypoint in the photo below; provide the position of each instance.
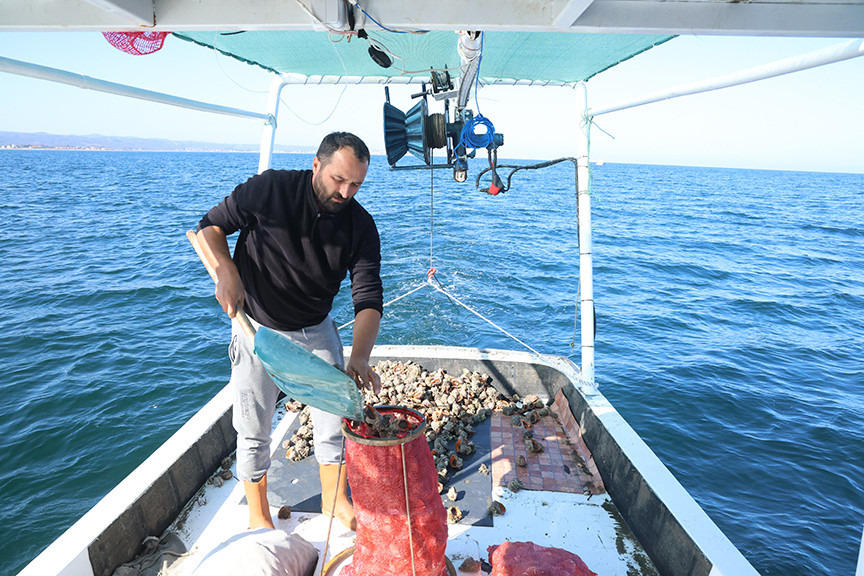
(375, 473)
(136, 43)
(529, 559)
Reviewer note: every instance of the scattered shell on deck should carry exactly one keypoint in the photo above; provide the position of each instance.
(284, 513)
(464, 446)
(527, 412)
(452, 494)
(454, 514)
(470, 565)
(293, 406)
(527, 433)
(515, 485)
(216, 481)
(440, 487)
(226, 474)
(226, 463)
(521, 462)
(300, 449)
(496, 508)
(300, 445)
(483, 469)
(455, 462)
(532, 402)
(530, 418)
(532, 446)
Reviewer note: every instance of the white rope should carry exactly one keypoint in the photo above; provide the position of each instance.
(389, 303)
(439, 289)
(333, 508)
(408, 510)
(455, 299)
(436, 285)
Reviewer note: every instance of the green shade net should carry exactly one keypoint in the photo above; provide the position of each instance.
(537, 57)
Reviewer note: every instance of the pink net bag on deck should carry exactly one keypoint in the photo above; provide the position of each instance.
(136, 43)
(375, 474)
(529, 559)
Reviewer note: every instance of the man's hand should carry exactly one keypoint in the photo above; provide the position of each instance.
(229, 287)
(229, 290)
(365, 332)
(363, 375)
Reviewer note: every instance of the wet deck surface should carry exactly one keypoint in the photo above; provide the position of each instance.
(562, 505)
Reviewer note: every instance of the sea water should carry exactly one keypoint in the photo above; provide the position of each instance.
(729, 304)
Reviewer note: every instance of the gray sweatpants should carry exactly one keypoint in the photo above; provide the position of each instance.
(255, 397)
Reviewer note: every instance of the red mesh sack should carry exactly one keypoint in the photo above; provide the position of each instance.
(137, 43)
(375, 475)
(529, 559)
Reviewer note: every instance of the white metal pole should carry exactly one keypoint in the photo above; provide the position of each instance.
(812, 59)
(860, 570)
(81, 81)
(586, 274)
(268, 134)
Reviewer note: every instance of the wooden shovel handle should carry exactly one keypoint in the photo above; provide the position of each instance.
(241, 313)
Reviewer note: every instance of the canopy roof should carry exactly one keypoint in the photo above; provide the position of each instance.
(826, 18)
(507, 57)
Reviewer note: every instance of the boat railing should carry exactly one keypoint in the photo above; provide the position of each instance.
(828, 55)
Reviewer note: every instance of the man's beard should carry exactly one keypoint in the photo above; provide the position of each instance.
(326, 198)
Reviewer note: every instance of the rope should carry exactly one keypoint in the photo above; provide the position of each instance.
(430, 277)
(471, 139)
(333, 508)
(468, 137)
(517, 168)
(386, 304)
(432, 280)
(356, 5)
(430, 274)
(576, 314)
(432, 270)
(440, 289)
(408, 510)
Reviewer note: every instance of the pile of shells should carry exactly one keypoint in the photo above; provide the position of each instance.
(525, 413)
(452, 406)
(386, 425)
(300, 445)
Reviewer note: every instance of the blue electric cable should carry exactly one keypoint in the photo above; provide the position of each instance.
(469, 137)
(384, 27)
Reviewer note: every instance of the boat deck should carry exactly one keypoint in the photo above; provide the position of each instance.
(563, 503)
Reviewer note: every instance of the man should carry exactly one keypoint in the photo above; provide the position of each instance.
(300, 232)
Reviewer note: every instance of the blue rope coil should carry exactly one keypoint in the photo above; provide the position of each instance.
(471, 139)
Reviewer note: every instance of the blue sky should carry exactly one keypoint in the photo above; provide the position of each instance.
(811, 121)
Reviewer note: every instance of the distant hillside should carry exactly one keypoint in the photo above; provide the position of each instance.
(99, 142)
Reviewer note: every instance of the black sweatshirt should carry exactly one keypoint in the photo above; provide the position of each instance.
(291, 257)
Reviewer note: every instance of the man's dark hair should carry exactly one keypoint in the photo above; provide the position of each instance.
(338, 140)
